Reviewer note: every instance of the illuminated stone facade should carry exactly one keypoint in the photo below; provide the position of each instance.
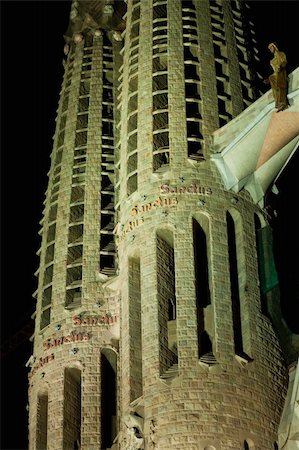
(150, 329)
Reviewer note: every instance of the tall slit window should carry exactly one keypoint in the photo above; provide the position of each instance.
(108, 368)
(260, 256)
(234, 283)
(135, 328)
(42, 422)
(202, 290)
(166, 300)
(72, 408)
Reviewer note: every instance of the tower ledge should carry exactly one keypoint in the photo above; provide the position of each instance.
(253, 149)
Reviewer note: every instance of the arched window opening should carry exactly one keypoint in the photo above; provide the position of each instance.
(202, 288)
(166, 300)
(42, 422)
(276, 446)
(135, 328)
(234, 283)
(248, 444)
(72, 408)
(108, 397)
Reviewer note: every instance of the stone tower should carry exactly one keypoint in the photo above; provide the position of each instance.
(151, 332)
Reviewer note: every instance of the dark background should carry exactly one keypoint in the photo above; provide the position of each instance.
(31, 74)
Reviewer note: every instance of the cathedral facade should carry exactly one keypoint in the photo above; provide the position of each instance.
(152, 330)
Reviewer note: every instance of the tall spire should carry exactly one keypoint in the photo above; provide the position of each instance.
(92, 14)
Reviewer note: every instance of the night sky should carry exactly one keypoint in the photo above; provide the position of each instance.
(31, 62)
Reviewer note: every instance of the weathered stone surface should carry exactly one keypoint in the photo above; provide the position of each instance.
(143, 362)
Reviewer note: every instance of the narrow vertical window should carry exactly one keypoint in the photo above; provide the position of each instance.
(258, 242)
(248, 445)
(72, 408)
(166, 300)
(234, 283)
(108, 397)
(202, 289)
(135, 328)
(42, 422)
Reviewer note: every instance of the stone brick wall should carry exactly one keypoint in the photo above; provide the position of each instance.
(76, 332)
(196, 403)
(200, 404)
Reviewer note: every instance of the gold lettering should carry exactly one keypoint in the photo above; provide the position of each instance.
(76, 320)
(147, 207)
(69, 338)
(157, 203)
(47, 344)
(164, 189)
(193, 188)
(85, 337)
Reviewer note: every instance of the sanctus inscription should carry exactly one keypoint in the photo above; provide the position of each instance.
(192, 188)
(73, 337)
(141, 209)
(106, 319)
(41, 363)
(158, 203)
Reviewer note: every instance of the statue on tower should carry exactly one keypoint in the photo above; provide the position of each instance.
(278, 79)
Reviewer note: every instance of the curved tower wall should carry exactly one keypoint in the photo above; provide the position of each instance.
(206, 359)
(149, 328)
(77, 321)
